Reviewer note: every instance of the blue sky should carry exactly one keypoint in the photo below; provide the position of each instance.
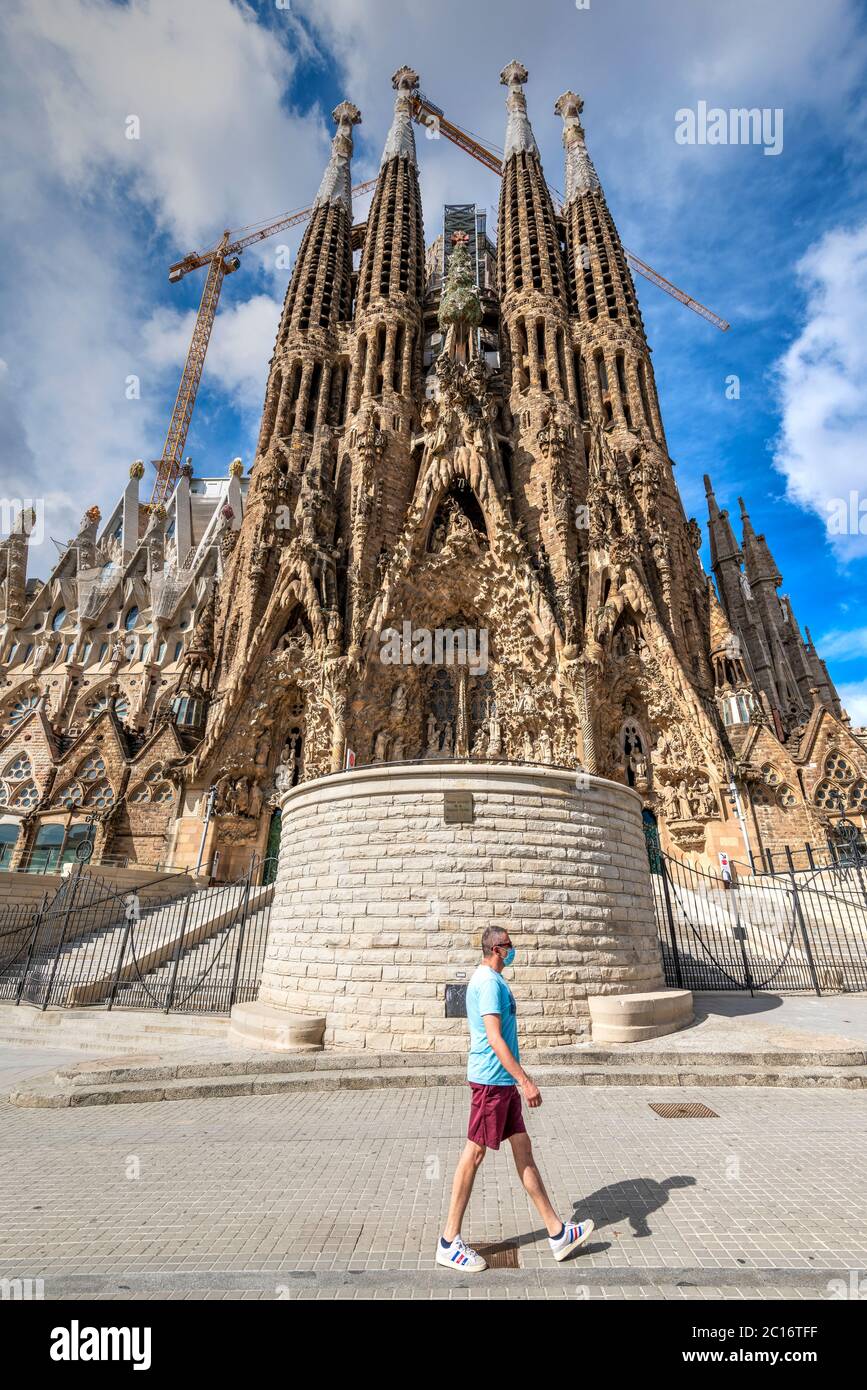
(233, 103)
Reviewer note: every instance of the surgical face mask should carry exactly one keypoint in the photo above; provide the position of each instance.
(509, 956)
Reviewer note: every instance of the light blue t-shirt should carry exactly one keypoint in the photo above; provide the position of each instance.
(488, 993)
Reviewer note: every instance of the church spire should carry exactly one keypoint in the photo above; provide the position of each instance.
(528, 251)
(758, 560)
(336, 185)
(306, 385)
(723, 545)
(392, 262)
(401, 137)
(519, 132)
(613, 360)
(581, 176)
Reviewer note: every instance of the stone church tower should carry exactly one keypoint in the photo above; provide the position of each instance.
(461, 539)
(447, 556)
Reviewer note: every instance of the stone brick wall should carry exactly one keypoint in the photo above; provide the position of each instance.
(379, 903)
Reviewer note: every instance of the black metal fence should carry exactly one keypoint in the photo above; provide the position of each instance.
(198, 951)
(792, 931)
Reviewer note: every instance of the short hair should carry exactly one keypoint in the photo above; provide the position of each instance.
(491, 938)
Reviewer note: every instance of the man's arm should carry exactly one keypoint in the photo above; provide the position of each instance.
(493, 1028)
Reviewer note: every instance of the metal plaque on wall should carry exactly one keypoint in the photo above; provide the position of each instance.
(457, 807)
(456, 1001)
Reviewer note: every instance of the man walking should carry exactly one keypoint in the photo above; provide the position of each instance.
(496, 1076)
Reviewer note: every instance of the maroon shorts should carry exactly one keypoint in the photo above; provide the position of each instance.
(495, 1114)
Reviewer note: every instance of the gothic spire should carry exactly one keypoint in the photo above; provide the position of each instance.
(723, 545)
(600, 284)
(401, 138)
(528, 252)
(519, 132)
(392, 262)
(336, 185)
(758, 560)
(581, 176)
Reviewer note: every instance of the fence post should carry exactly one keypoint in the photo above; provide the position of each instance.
(741, 939)
(31, 948)
(69, 906)
(810, 860)
(802, 926)
(240, 946)
(678, 973)
(116, 981)
(178, 949)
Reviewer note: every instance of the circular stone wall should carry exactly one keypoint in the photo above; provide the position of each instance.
(380, 902)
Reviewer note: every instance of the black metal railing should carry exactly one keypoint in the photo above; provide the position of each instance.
(791, 931)
(197, 951)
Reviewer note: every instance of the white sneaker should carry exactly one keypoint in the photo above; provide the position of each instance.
(573, 1236)
(460, 1257)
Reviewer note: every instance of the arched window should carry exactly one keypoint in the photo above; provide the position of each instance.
(93, 768)
(26, 796)
(16, 780)
(827, 796)
(22, 708)
(131, 618)
(101, 795)
(101, 702)
(70, 796)
(858, 795)
(18, 769)
(634, 748)
(837, 768)
(58, 620)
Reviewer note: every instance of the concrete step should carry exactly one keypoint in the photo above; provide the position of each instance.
(115, 1085)
(115, 1031)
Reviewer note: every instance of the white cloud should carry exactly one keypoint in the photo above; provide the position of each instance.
(854, 700)
(838, 645)
(822, 447)
(239, 350)
(804, 57)
(81, 204)
(205, 82)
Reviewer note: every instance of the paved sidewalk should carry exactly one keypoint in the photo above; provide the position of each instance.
(19, 1064)
(770, 1196)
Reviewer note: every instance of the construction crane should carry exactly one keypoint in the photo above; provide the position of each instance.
(224, 258)
(221, 260)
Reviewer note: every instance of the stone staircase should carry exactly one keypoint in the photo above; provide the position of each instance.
(211, 961)
(772, 932)
(87, 967)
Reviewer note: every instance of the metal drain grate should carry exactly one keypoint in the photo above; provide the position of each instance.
(501, 1254)
(683, 1110)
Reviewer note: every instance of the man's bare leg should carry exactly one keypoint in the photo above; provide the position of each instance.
(532, 1180)
(462, 1187)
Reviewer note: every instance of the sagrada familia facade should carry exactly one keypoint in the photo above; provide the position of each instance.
(463, 441)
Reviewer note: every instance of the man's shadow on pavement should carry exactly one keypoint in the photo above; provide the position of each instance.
(632, 1200)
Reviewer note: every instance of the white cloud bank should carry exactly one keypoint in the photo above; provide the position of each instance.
(822, 446)
(81, 202)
